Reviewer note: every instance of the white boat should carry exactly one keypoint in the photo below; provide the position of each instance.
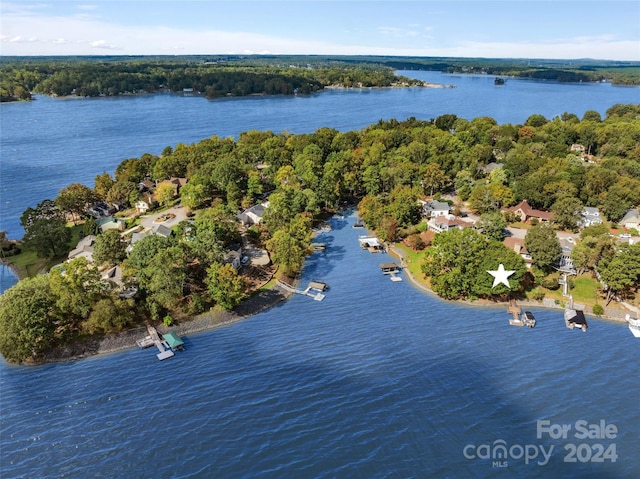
(634, 325)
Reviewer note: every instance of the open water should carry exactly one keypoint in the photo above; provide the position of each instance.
(378, 380)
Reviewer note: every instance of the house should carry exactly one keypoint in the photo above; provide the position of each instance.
(162, 230)
(145, 203)
(492, 166)
(253, 215)
(526, 212)
(233, 256)
(439, 224)
(135, 237)
(517, 245)
(591, 216)
(433, 208)
(631, 219)
(146, 185)
(84, 249)
(111, 223)
(565, 262)
(114, 276)
(175, 183)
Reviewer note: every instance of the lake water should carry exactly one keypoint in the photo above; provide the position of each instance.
(378, 380)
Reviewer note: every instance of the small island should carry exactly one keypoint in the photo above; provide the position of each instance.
(201, 234)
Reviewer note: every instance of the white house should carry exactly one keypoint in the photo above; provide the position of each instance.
(433, 208)
(591, 216)
(446, 223)
(253, 215)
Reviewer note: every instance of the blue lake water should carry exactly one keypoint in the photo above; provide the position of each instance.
(378, 380)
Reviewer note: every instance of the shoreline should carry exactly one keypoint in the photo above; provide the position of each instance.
(393, 251)
(10, 265)
(203, 322)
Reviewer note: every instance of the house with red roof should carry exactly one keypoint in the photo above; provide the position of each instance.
(526, 212)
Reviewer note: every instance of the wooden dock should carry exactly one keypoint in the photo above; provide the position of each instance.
(317, 295)
(164, 350)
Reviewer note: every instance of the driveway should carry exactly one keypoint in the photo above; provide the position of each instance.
(149, 221)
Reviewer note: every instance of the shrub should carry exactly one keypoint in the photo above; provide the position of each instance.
(537, 294)
(598, 310)
(168, 320)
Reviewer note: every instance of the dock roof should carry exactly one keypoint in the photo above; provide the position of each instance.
(173, 340)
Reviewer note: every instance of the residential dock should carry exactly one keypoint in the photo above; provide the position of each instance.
(525, 319)
(314, 289)
(575, 319)
(169, 343)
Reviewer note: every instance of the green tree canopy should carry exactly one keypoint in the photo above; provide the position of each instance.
(225, 285)
(110, 248)
(543, 245)
(28, 317)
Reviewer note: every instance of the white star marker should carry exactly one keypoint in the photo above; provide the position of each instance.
(500, 276)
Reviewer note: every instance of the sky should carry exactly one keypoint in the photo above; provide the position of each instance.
(489, 29)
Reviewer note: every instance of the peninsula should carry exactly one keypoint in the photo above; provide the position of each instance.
(169, 237)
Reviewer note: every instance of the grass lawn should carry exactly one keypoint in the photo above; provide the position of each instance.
(584, 291)
(29, 264)
(414, 261)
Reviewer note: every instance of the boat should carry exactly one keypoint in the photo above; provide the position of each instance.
(634, 325)
(574, 319)
(498, 81)
(528, 319)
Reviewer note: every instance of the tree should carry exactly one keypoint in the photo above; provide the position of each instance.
(433, 178)
(28, 318)
(165, 277)
(164, 193)
(290, 245)
(75, 199)
(567, 213)
(452, 262)
(492, 225)
(76, 286)
(225, 285)
(543, 245)
(109, 315)
(109, 248)
(622, 273)
(45, 230)
(103, 184)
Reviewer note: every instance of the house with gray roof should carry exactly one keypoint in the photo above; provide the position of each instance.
(591, 216)
(433, 208)
(253, 215)
(631, 219)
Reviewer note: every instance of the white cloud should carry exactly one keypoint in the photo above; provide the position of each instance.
(25, 33)
(102, 44)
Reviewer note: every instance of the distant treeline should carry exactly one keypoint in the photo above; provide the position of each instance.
(216, 76)
(100, 77)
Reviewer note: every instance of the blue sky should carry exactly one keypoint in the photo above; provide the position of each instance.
(508, 28)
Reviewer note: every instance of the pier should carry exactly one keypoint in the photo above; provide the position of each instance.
(314, 290)
(165, 346)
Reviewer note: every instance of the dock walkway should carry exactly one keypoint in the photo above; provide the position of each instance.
(154, 338)
(318, 296)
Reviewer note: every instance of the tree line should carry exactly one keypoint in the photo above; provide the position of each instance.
(384, 168)
(93, 77)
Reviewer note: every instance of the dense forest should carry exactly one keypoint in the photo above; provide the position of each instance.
(218, 78)
(227, 75)
(385, 169)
